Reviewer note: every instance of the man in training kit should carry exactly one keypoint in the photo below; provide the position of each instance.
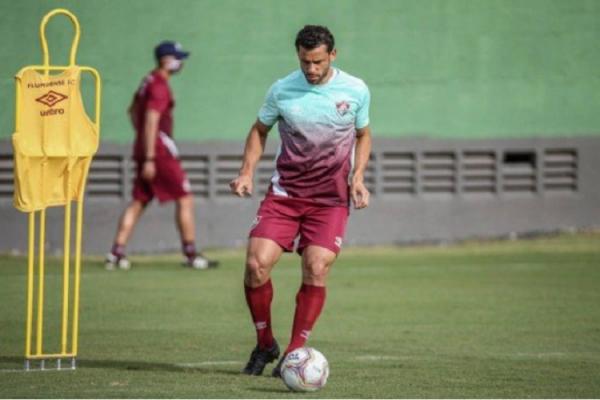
(323, 118)
(159, 171)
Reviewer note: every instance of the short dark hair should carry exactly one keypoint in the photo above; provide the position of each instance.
(312, 36)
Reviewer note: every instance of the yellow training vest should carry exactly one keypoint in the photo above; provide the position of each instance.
(54, 142)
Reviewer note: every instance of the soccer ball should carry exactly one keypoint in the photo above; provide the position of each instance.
(305, 370)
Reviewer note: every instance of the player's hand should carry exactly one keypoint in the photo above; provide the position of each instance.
(149, 170)
(241, 186)
(359, 193)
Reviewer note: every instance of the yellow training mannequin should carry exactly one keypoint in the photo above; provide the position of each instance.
(54, 139)
(54, 142)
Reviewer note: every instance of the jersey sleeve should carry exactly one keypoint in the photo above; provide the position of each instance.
(269, 113)
(362, 113)
(159, 98)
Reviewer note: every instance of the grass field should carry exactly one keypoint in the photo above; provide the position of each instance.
(505, 319)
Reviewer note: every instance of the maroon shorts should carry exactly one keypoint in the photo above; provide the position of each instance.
(170, 182)
(282, 219)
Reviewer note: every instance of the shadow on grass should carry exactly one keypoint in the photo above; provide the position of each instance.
(84, 363)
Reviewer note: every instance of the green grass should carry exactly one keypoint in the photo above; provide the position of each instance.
(505, 319)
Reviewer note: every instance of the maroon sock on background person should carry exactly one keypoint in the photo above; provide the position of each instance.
(259, 302)
(309, 303)
(189, 250)
(118, 250)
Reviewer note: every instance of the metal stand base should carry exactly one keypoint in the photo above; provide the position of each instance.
(42, 366)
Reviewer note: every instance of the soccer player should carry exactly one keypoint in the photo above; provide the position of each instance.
(323, 119)
(159, 171)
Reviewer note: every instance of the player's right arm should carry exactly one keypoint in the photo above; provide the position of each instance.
(150, 132)
(255, 146)
(255, 143)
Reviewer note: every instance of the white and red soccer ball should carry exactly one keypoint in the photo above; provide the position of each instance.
(305, 370)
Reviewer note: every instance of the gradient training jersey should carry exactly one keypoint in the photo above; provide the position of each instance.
(317, 125)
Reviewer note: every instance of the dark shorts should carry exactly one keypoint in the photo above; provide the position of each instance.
(170, 182)
(282, 219)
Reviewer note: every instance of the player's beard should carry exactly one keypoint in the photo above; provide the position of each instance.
(320, 79)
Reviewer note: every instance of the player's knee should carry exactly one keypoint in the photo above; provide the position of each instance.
(257, 270)
(316, 270)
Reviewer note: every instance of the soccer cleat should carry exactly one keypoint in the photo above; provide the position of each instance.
(111, 262)
(276, 373)
(260, 358)
(200, 262)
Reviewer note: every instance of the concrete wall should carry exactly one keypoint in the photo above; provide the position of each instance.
(438, 68)
(423, 190)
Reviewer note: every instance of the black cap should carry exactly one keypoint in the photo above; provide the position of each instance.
(169, 48)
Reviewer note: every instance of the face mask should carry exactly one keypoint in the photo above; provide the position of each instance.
(174, 65)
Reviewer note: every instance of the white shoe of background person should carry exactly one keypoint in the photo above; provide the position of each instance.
(200, 262)
(112, 262)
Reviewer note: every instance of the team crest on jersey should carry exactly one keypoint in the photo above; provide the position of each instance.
(342, 107)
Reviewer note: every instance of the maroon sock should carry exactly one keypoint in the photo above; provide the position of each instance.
(118, 250)
(309, 303)
(189, 250)
(259, 301)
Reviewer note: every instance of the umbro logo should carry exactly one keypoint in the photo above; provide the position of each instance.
(260, 325)
(338, 241)
(255, 222)
(296, 110)
(305, 333)
(51, 98)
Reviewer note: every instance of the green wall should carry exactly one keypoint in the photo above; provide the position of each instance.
(456, 68)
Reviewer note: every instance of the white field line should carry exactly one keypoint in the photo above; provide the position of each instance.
(35, 370)
(182, 365)
(519, 355)
(374, 357)
(208, 363)
(363, 357)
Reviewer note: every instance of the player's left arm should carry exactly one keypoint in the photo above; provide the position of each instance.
(358, 191)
